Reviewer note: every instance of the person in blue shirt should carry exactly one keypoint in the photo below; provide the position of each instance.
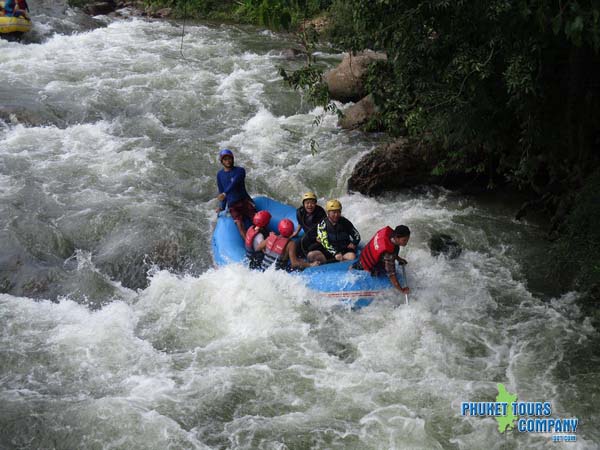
(16, 8)
(231, 181)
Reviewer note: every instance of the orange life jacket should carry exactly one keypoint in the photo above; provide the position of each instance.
(254, 257)
(274, 251)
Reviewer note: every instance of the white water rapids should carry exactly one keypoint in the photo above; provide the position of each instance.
(108, 148)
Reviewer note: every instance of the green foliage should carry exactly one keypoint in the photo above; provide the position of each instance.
(79, 3)
(506, 88)
(270, 13)
(273, 14)
(309, 79)
(579, 250)
(341, 13)
(196, 9)
(501, 87)
(277, 14)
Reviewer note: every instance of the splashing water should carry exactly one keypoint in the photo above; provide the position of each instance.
(107, 166)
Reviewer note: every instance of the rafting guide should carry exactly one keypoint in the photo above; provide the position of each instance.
(530, 417)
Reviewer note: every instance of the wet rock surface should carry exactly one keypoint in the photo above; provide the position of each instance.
(346, 82)
(393, 166)
(359, 114)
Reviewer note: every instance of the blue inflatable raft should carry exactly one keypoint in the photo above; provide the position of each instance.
(334, 280)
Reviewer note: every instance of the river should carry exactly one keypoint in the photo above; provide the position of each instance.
(117, 333)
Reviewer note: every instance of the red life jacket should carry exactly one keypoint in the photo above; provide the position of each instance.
(250, 235)
(274, 251)
(377, 246)
(254, 257)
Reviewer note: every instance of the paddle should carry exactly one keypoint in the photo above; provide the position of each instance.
(405, 282)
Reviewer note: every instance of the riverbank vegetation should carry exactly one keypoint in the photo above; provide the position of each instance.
(274, 14)
(505, 92)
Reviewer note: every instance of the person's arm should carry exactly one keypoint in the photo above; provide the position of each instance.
(296, 231)
(401, 261)
(258, 239)
(354, 235)
(261, 246)
(299, 217)
(299, 220)
(389, 263)
(323, 239)
(221, 197)
(397, 257)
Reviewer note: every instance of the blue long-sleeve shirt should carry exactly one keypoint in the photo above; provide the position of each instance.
(233, 185)
(9, 7)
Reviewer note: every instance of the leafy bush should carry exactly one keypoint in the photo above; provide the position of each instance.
(274, 14)
(579, 249)
(501, 87)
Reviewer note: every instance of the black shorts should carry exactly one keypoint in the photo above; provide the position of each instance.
(242, 208)
(317, 246)
(304, 245)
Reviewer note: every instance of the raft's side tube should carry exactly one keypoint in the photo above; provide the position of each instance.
(334, 280)
(14, 25)
(227, 244)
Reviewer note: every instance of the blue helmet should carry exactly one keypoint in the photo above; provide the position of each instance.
(225, 152)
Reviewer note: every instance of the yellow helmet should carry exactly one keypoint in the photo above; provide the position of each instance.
(333, 205)
(309, 196)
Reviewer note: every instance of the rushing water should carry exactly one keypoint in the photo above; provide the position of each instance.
(116, 332)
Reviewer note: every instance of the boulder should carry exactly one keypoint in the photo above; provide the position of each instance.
(319, 24)
(358, 114)
(391, 167)
(162, 13)
(130, 8)
(100, 8)
(444, 244)
(22, 116)
(403, 164)
(346, 82)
